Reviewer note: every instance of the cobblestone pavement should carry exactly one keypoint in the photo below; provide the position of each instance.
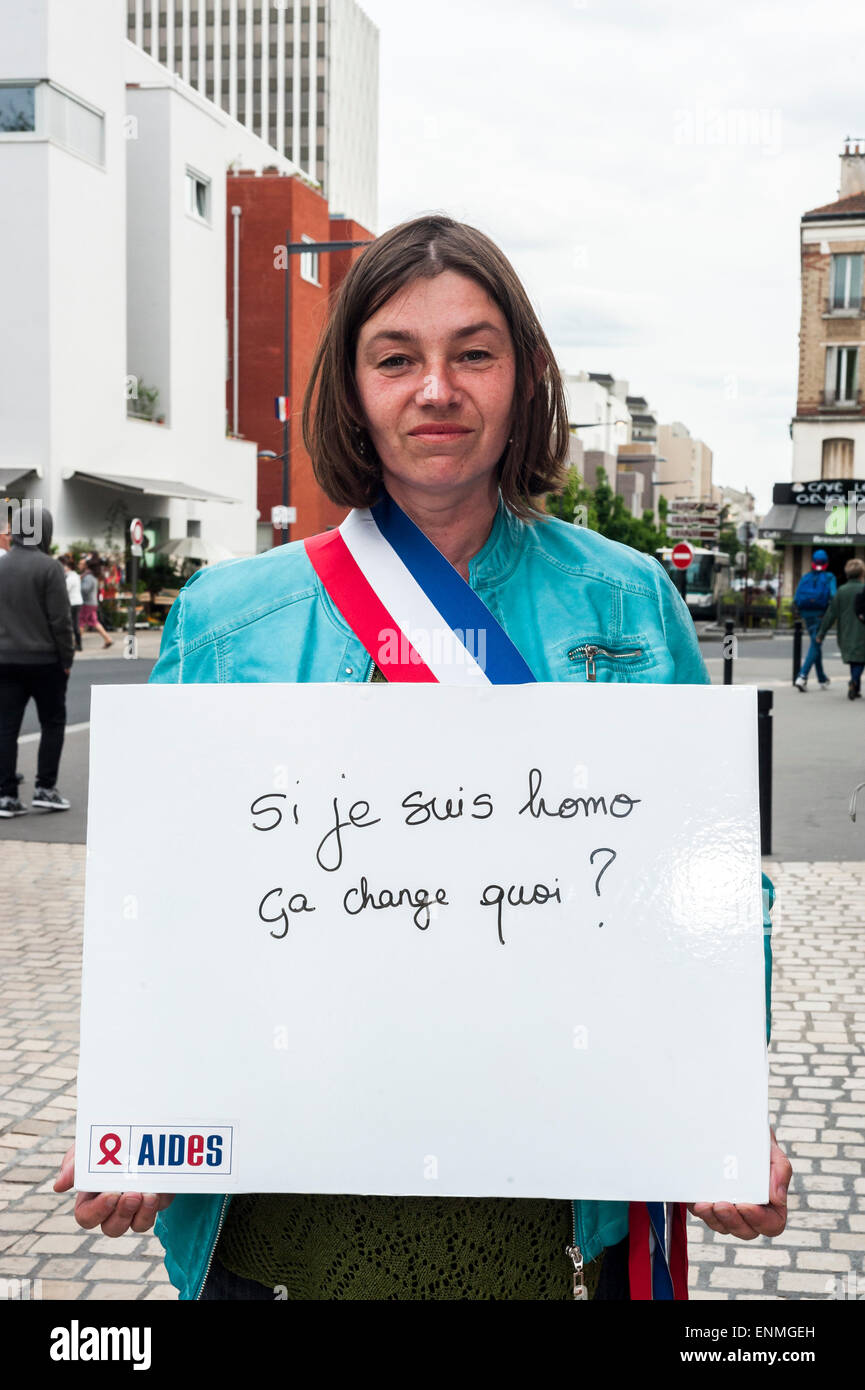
(818, 1094)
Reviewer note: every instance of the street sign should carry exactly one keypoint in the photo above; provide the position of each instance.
(746, 531)
(283, 516)
(136, 535)
(682, 555)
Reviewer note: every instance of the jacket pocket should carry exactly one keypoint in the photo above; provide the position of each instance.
(597, 658)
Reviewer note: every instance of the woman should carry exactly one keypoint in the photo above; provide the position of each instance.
(435, 391)
(851, 632)
(73, 589)
(89, 616)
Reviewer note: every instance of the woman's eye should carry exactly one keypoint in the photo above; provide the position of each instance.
(476, 352)
(393, 361)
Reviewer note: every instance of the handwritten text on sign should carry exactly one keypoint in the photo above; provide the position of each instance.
(417, 810)
(425, 940)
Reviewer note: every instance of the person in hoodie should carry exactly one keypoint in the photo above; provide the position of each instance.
(37, 646)
(814, 592)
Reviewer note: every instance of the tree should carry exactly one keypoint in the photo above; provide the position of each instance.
(603, 510)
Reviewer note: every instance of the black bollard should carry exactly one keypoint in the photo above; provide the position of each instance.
(729, 642)
(797, 647)
(764, 764)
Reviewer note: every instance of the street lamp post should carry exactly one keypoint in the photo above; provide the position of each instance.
(295, 248)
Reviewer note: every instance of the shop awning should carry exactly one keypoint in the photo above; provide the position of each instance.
(777, 524)
(10, 476)
(805, 525)
(150, 487)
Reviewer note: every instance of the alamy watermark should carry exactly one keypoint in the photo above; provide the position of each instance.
(731, 126)
(845, 517)
(22, 517)
(441, 646)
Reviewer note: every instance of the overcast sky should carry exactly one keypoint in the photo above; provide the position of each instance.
(644, 167)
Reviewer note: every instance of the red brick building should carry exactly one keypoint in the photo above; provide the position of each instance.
(274, 207)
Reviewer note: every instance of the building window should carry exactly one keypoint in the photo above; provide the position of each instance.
(197, 196)
(309, 263)
(17, 109)
(842, 375)
(846, 282)
(50, 113)
(837, 460)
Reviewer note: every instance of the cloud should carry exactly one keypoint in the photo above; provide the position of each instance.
(645, 168)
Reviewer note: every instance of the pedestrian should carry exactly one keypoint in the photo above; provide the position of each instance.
(814, 593)
(37, 647)
(89, 616)
(73, 589)
(434, 405)
(851, 632)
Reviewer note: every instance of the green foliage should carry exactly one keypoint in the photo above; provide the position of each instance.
(603, 510)
(142, 406)
(160, 575)
(78, 548)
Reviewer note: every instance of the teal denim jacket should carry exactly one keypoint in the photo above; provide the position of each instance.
(557, 589)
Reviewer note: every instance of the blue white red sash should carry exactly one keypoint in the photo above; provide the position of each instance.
(414, 613)
(420, 621)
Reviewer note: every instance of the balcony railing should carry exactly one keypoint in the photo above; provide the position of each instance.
(829, 399)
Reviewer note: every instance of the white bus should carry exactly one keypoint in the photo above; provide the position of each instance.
(707, 579)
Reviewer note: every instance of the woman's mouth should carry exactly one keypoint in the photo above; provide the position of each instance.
(438, 433)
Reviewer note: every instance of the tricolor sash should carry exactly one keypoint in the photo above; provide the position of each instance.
(414, 613)
(420, 621)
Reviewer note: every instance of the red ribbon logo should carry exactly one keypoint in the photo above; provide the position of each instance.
(109, 1152)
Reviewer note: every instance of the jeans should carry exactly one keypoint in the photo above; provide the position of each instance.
(856, 669)
(46, 683)
(222, 1284)
(815, 653)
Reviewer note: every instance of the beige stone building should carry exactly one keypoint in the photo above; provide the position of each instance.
(823, 504)
(684, 464)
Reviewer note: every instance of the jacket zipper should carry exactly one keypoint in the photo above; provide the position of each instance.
(590, 651)
(575, 1255)
(213, 1246)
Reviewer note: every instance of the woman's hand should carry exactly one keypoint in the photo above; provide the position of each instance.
(115, 1212)
(746, 1221)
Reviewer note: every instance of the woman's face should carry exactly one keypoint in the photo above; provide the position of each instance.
(435, 375)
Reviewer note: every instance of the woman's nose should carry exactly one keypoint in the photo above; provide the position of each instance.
(438, 386)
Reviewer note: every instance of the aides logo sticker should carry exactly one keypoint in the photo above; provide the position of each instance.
(202, 1149)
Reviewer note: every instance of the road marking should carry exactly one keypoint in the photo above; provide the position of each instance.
(70, 729)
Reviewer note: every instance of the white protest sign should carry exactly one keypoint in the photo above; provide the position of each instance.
(425, 940)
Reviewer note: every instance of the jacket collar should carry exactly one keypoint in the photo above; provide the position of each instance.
(502, 550)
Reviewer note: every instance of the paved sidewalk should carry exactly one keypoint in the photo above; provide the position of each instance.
(94, 649)
(817, 1098)
(818, 1094)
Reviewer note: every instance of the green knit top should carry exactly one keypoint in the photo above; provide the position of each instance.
(324, 1247)
(319, 1247)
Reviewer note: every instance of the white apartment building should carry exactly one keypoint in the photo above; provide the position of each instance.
(597, 410)
(113, 265)
(301, 76)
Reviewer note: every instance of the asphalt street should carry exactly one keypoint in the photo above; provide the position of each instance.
(818, 746)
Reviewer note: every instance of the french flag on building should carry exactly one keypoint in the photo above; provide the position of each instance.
(281, 406)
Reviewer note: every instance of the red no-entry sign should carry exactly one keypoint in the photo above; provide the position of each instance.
(682, 555)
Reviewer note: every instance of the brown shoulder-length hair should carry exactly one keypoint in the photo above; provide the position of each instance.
(343, 458)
